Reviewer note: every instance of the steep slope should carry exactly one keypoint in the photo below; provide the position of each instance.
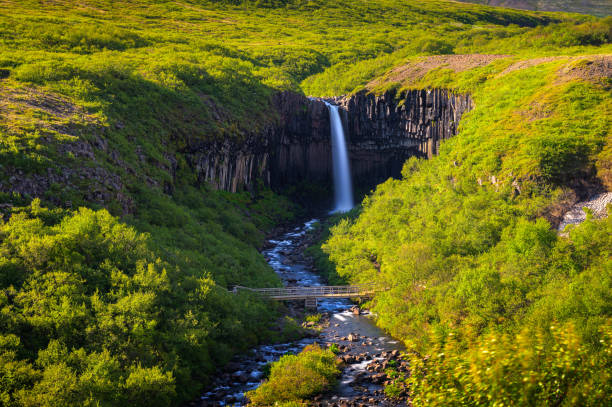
(117, 90)
(467, 240)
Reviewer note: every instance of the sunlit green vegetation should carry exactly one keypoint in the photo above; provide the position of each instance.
(148, 73)
(531, 368)
(296, 378)
(94, 312)
(124, 301)
(313, 318)
(466, 243)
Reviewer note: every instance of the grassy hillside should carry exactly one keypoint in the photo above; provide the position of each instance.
(117, 89)
(600, 8)
(466, 240)
(113, 258)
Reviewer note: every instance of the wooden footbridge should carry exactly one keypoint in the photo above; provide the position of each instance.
(311, 294)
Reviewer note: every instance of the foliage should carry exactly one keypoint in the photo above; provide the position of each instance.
(290, 330)
(295, 378)
(319, 234)
(95, 312)
(393, 390)
(522, 369)
(313, 318)
(458, 238)
(102, 99)
(334, 348)
(466, 242)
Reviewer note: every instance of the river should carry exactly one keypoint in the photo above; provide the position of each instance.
(369, 345)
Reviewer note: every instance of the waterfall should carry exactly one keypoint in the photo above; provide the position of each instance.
(343, 187)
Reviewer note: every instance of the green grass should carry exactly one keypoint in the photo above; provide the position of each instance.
(146, 74)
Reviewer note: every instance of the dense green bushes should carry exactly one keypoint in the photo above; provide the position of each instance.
(94, 312)
(466, 245)
(525, 369)
(296, 378)
(98, 311)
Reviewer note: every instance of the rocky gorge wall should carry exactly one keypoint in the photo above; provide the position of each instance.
(295, 148)
(382, 131)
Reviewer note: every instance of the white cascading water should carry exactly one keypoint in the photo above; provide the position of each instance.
(343, 187)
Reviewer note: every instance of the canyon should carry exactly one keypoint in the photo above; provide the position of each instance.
(382, 131)
(294, 150)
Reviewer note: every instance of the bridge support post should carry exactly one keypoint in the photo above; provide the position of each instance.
(310, 303)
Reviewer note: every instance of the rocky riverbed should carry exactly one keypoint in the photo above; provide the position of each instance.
(370, 358)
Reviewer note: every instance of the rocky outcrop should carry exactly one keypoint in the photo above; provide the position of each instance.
(382, 132)
(385, 130)
(301, 146)
(597, 204)
(230, 166)
(295, 148)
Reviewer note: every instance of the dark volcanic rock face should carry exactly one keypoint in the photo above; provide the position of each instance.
(301, 146)
(296, 148)
(382, 132)
(293, 150)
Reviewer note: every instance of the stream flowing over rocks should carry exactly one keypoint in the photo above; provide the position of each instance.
(364, 348)
(576, 215)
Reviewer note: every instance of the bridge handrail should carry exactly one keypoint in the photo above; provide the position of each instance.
(360, 289)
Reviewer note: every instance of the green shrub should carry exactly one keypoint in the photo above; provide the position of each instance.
(92, 314)
(45, 71)
(467, 244)
(433, 46)
(295, 378)
(393, 390)
(334, 348)
(96, 302)
(525, 369)
(313, 318)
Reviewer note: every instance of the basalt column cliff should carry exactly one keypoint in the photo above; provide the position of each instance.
(295, 148)
(382, 132)
(385, 130)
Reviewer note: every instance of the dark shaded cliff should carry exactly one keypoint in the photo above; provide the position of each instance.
(295, 148)
(382, 132)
